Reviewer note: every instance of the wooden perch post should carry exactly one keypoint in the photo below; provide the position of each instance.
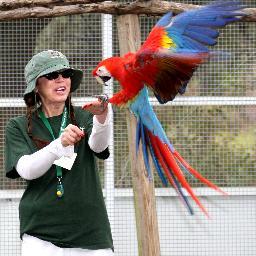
(144, 193)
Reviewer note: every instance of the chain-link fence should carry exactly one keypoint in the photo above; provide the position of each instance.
(213, 126)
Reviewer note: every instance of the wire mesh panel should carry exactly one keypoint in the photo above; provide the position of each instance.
(216, 135)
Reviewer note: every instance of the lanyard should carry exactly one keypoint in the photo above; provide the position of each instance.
(60, 189)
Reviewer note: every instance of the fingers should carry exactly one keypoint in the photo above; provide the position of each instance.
(96, 107)
(71, 135)
(87, 106)
(99, 106)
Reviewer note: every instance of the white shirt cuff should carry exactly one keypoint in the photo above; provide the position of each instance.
(99, 138)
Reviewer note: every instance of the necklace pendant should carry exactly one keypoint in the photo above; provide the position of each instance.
(60, 189)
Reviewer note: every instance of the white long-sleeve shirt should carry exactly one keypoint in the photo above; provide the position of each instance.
(35, 165)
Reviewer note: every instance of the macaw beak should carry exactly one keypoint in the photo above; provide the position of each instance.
(103, 79)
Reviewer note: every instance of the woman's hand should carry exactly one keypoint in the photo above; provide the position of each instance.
(71, 135)
(99, 108)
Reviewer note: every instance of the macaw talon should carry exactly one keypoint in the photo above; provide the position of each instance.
(102, 97)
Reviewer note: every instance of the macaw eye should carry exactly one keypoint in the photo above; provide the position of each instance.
(99, 71)
(102, 71)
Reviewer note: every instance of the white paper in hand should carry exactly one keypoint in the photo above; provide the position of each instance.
(66, 161)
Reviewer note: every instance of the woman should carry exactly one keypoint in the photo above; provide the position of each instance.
(53, 147)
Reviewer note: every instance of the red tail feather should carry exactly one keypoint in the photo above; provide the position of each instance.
(166, 169)
(171, 162)
(160, 158)
(196, 173)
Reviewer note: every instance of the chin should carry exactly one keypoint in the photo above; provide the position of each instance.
(60, 99)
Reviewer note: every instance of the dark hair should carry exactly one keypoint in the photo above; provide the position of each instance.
(32, 100)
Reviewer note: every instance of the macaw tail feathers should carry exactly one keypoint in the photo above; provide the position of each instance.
(170, 165)
(196, 174)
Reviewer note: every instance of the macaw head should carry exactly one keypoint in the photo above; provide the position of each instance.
(107, 69)
(102, 74)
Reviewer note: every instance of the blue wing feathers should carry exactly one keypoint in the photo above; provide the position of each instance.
(200, 24)
(192, 45)
(202, 30)
(165, 20)
(202, 38)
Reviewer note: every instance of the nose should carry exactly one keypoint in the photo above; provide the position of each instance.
(60, 77)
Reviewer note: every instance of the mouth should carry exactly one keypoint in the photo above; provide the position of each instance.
(61, 89)
(103, 79)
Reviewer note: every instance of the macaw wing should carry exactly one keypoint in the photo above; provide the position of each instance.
(177, 46)
(166, 73)
(192, 30)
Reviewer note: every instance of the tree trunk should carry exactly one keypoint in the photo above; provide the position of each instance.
(144, 192)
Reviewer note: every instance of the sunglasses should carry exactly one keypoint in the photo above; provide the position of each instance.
(54, 75)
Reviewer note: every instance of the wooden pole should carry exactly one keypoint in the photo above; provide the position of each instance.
(143, 188)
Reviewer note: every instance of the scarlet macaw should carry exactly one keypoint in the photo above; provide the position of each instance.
(175, 47)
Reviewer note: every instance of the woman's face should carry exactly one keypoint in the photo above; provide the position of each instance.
(53, 91)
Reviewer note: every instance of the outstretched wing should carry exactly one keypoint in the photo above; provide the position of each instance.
(177, 45)
(167, 73)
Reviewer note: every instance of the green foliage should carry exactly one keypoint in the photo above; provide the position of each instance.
(219, 142)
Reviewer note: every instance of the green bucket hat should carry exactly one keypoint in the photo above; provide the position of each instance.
(46, 62)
